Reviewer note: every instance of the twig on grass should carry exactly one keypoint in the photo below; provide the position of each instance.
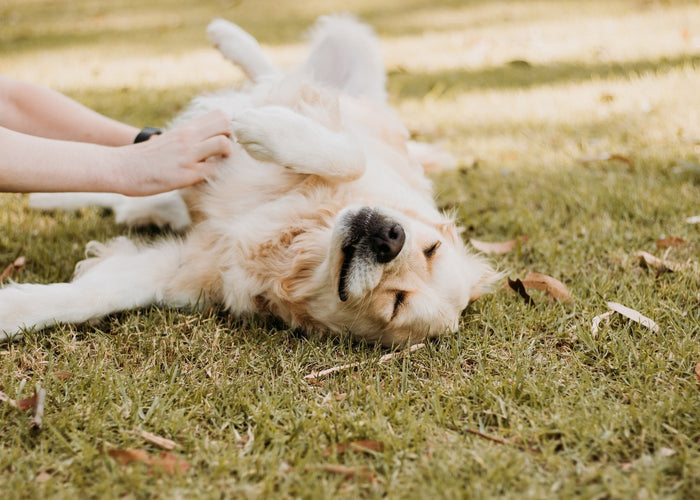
(161, 442)
(501, 441)
(314, 375)
(487, 436)
(17, 264)
(7, 399)
(38, 420)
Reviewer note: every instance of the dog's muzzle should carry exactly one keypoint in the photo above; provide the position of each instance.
(371, 235)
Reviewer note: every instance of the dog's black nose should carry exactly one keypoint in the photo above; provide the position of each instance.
(387, 241)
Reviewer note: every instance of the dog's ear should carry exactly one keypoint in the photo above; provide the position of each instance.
(431, 157)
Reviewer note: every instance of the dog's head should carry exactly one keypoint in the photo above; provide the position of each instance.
(394, 278)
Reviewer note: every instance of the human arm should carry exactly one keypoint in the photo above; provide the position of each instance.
(176, 159)
(36, 110)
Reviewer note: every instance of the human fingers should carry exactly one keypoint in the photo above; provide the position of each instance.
(213, 123)
(219, 145)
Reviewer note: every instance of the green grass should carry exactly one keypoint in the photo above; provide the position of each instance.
(609, 417)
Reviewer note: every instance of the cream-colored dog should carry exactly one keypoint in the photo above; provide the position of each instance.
(321, 216)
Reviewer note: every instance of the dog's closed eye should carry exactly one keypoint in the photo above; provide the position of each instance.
(430, 251)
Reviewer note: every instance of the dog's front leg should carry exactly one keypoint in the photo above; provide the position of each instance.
(121, 276)
(280, 135)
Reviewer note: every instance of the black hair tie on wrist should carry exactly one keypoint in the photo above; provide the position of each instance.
(146, 134)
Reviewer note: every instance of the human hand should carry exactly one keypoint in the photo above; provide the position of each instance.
(175, 159)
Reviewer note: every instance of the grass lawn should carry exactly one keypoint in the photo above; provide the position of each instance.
(575, 123)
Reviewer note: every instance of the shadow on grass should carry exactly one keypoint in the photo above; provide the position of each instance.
(521, 74)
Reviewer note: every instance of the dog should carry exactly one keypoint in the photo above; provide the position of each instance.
(322, 215)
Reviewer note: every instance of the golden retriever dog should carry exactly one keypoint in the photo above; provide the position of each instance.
(321, 216)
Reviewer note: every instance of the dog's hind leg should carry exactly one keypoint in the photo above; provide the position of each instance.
(345, 54)
(240, 48)
(121, 276)
(162, 210)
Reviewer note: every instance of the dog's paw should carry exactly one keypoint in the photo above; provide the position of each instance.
(96, 252)
(13, 312)
(271, 133)
(162, 210)
(221, 31)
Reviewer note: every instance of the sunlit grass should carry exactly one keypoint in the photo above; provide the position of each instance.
(524, 94)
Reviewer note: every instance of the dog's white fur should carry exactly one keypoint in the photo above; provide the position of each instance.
(318, 159)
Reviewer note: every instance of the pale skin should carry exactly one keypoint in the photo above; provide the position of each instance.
(50, 143)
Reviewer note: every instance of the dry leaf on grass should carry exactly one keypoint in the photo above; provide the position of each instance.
(595, 325)
(697, 372)
(659, 264)
(42, 477)
(552, 286)
(27, 403)
(125, 457)
(62, 375)
(366, 446)
(627, 312)
(161, 442)
(498, 248)
(606, 157)
(635, 316)
(518, 286)
(387, 357)
(671, 241)
(166, 461)
(348, 472)
(17, 265)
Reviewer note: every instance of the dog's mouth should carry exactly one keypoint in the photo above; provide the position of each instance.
(358, 228)
(348, 254)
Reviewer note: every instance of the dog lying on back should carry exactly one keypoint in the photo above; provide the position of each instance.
(321, 216)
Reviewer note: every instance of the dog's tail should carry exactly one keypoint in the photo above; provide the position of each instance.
(345, 54)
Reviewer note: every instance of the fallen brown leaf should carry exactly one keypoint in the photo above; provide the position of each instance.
(355, 446)
(547, 284)
(659, 264)
(518, 286)
(669, 242)
(171, 464)
(159, 441)
(697, 372)
(42, 477)
(627, 466)
(125, 457)
(166, 460)
(498, 248)
(27, 403)
(348, 472)
(62, 375)
(606, 157)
